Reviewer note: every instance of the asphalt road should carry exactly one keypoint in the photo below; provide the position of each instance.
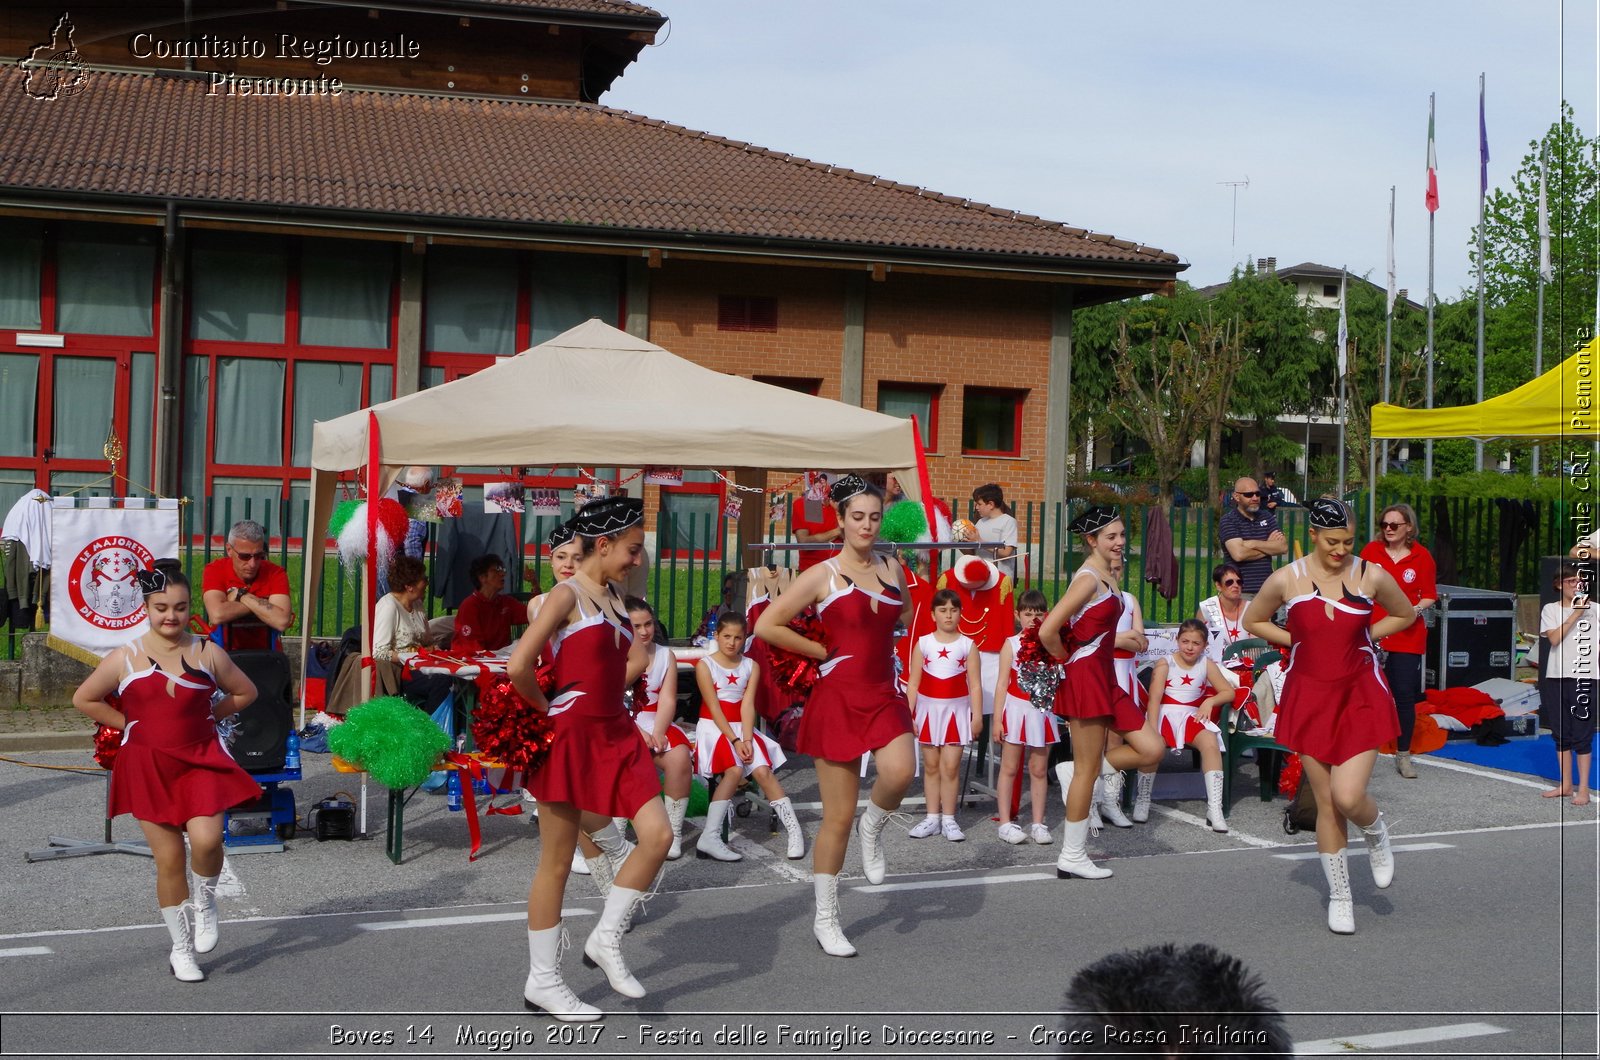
(1484, 946)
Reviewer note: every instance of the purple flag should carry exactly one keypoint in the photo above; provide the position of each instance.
(1483, 144)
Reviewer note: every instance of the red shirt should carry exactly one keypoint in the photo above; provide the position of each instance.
(249, 633)
(486, 623)
(1414, 573)
(798, 521)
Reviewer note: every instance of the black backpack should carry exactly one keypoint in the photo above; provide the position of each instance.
(1301, 813)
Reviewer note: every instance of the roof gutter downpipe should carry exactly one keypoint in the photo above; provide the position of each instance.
(169, 361)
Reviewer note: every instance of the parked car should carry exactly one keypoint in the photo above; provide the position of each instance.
(1121, 467)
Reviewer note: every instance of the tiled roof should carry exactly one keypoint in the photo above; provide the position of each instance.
(507, 162)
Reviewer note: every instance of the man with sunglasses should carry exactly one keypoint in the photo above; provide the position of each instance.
(1250, 536)
(246, 595)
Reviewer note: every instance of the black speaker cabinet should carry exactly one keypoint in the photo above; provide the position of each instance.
(260, 742)
(1472, 636)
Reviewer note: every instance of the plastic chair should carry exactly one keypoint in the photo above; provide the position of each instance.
(1250, 648)
(1238, 742)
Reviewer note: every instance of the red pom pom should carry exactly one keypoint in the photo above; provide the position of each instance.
(106, 743)
(392, 520)
(507, 729)
(797, 673)
(1289, 777)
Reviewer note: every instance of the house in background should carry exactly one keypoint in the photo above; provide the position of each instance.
(216, 231)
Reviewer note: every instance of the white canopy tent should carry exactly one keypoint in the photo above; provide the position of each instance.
(597, 396)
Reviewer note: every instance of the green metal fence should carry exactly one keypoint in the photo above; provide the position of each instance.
(1493, 547)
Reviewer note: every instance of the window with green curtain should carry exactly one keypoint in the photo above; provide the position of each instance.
(570, 288)
(83, 484)
(19, 398)
(345, 293)
(21, 249)
(249, 416)
(432, 376)
(905, 402)
(688, 515)
(14, 482)
(322, 391)
(380, 386)
(85, 396)
(470, 304)
(246, 498)
(105, 281)
(237, 288)
(196, 405)
(141, 420)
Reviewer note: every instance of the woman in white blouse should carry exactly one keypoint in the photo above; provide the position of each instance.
(399, 628)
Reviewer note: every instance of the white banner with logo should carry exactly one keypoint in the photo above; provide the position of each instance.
(96, 544)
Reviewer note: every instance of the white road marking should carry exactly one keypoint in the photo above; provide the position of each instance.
(27, 951)
(457, 921)
(1457, 767)
(1232, 833)
(248, 920)
(861, 803)
(791, 871)
(972, 881)
(1362, 851)
(1419, 1036)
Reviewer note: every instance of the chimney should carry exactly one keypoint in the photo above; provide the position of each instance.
(1272, 266)
(1261, 265)
(1401, 295)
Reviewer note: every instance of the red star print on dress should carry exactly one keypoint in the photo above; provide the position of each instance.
(944, 653)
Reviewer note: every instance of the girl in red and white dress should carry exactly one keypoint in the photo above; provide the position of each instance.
(1130, 640)
(946, 699)
(172, 773)
(1022, 728)
(673, 754)
(1082, 628)
(1186, 691)
(598, 855)
(728, 743)
(856, 704)
(597, 767)
(1336, 709)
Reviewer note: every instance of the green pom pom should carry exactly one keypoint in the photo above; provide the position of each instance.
(904, 523)
(341, 515)
(699, 798)
(391, 739)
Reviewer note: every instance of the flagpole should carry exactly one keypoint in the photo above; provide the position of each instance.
(1544, 267)
(1483, 190)
(1342, 339)
(1427, 466)
(1388, 320)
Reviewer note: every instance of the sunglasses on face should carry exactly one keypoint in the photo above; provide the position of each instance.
(1392, 526)
(1248, 493)
(250, 557)
(1230, 581)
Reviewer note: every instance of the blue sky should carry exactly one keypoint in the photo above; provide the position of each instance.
(1126, 117)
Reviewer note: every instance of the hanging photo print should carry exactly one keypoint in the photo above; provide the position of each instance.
(731, 507)
(501, 497)
(447, 498)
(664, 476)
(544, 501)
(816, 486)
(584, 492)
(775, 510)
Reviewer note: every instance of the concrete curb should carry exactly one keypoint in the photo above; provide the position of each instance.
(23, 742)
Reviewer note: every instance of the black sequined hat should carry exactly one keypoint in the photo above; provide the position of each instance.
(151, 581)
(846, 486)
(1329, 514)
(1092, 520)
(608, 515)
(560, 535)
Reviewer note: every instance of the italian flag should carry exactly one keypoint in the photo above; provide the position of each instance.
(1431, 199)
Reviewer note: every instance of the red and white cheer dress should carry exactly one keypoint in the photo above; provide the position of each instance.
(172, 765)
(655, 676)
(1186, 688)
(1020, 721)
(944, 704)
(714, 753)
(1126, 663)
(597, 762)
(1335, 702)
(856, 705)
(1090, 688)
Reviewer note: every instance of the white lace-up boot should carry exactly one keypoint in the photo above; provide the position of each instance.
(545, 990)
(830, 936)
(791, 824)
(205, 914)
(181, 959)
(1141, 797)
(710, 844)
(873, 821)
(1341, 909)
(676, 809)
(1111, 785)
(1074, 860)
(1379, 852)
(1214, 816)
(603, 949)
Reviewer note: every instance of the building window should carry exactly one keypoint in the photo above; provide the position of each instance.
(346, 293)
(1330, 290)
(105, 281)
(471, 303)
(913, 399)
(569, 289)
(790, 382)
(239, 288)
(991, 421)
(738, 313)
(21, 252)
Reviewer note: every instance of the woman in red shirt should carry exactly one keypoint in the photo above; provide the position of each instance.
(1411, 566)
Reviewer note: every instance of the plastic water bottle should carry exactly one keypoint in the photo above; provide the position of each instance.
(452, 791)
(291, 752)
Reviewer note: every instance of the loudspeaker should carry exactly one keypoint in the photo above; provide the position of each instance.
(260, 742)
(1472, 637)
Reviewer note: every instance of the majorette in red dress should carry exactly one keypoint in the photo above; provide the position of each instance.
(856, 705)
(597, 761)
(1187, 688)
(655, 675)
(714, 754)
(1335, 702)
(944, 702)
(1090, 688)
(1020, 722)
(172, 765)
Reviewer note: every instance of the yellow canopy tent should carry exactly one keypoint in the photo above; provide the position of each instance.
(1558, 404)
